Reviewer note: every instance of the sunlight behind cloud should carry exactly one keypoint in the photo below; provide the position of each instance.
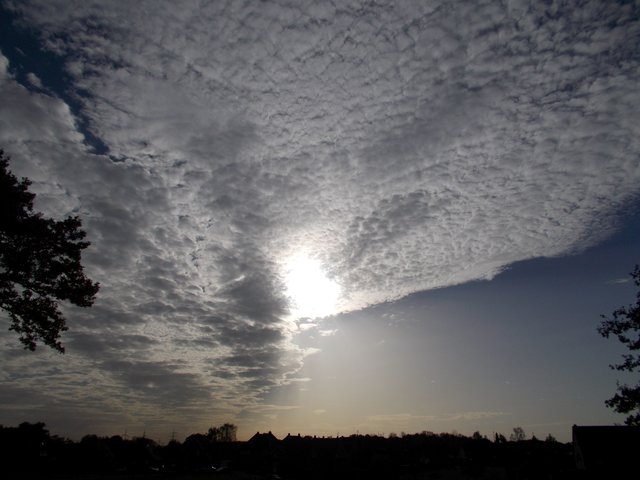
(311, 292)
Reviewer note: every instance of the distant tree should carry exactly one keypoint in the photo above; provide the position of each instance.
(39, 264)
(22, 448)
(518, 435)
(499, 438)
(224, 433)
(550, 438)
(625, 325)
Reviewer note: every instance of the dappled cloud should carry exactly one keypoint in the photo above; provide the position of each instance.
(398, 147)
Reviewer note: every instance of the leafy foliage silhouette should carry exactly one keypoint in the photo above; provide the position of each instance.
(625, 325)
(40, 264)
(518, 435)
(224, 433)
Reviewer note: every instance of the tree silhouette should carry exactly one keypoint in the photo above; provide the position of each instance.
(224, 433)
(518, 435)
(625, 325)
(499, 438)
(39, 264)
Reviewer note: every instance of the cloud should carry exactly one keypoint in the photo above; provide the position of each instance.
(405, 147)
(407, 420)
(30, 118)
(34, 80)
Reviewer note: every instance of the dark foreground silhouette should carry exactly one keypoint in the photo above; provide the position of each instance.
(40, 265)
(29, 451)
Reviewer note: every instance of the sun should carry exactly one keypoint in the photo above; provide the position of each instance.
(311, 292)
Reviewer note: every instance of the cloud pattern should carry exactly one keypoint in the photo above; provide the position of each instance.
(407, 146)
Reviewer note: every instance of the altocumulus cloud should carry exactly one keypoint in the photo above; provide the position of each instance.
(405, 145)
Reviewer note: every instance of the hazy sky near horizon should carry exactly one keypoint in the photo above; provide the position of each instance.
(328, 216)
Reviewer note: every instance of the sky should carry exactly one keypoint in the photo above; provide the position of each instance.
(328, 217)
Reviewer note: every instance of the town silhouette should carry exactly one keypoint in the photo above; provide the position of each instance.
(29, 451)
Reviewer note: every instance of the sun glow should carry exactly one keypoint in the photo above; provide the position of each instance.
(311, 292)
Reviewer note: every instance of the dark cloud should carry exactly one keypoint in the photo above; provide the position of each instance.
(110, 346)
(159, 382)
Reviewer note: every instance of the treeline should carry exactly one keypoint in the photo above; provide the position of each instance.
(29, 448)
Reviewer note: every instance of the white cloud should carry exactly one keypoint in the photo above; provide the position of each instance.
(34, 80)
(29, 118)
(4, 67)
(405, 147)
